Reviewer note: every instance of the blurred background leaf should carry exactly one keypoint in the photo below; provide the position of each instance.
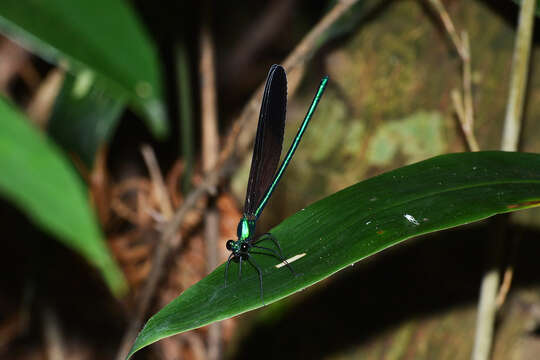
(392, 69)
(84, 116)
(103, 36)
(39, 179)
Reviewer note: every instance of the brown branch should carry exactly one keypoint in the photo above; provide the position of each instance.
(157, 181)
(468, 122)
(462, 105)
(439, 8)
(168, 237)
(505, 286)
(512, 127)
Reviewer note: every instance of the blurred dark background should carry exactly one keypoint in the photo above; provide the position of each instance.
(392, 69)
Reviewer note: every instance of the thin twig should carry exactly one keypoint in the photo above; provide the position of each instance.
(485, 317)
(438, 6)
(52, 332)
(504, 289)
(457, 101)
(210, 156)
(157, 181)
(518, 80)
(227, 164)
(158, 258)
(468, 124)
(210, 138)
(41, 105)
(168, 237)
(510, 141)
(505, 286)
(462, 104)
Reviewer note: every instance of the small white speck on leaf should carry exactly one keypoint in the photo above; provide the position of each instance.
(411, 219)
(290, 260)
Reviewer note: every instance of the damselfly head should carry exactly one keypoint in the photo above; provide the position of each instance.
(230, 245)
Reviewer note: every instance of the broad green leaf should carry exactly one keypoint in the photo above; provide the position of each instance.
(84, 117)
(38, 178)
(101, 35)
(357, 222)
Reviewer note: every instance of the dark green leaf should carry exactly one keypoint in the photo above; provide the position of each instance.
(84, 117)
(38, 178)
(102, 35)
(431, 195)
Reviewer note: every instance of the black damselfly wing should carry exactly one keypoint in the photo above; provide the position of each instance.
(269, 138)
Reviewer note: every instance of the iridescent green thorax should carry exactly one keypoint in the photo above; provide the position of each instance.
(246, 229)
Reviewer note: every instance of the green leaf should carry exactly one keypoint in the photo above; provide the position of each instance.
(84, 117)
(39, 179)
(102, 35)
(357, 222)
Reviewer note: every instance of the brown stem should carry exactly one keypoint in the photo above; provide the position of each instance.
(210, 155)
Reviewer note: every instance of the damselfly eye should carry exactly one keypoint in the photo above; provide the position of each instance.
(230, 245)
(244, 247)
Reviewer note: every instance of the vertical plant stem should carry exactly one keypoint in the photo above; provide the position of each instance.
(518, 80)
(485, 317)
(468, 125)
(186, 112)
(52, 333)
(210, 156)
(512, 127)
